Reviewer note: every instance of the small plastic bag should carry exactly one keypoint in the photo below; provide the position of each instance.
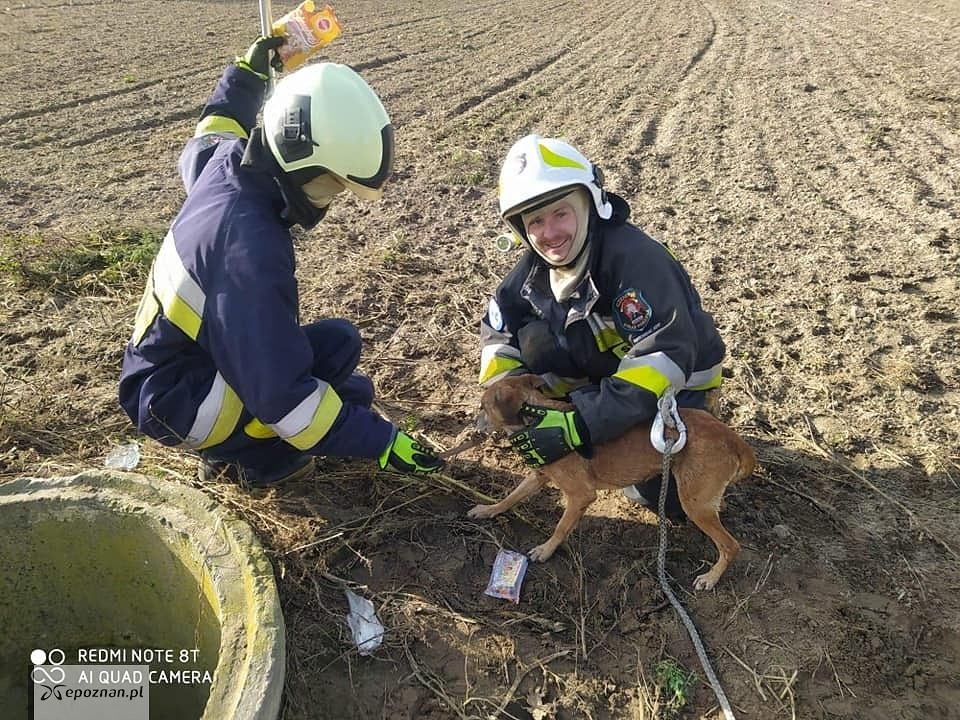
(123, 457)
(364, 624)
(508, 570)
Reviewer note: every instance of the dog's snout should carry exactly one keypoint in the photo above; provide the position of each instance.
(483, 423)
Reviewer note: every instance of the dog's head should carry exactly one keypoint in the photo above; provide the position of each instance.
(500, 403)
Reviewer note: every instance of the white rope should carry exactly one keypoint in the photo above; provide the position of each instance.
(668, 411)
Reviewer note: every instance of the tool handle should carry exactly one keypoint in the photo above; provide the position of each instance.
(266, 30)
(266, 18)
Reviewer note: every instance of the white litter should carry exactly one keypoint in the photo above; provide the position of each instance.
(124, 457)
(364, 624)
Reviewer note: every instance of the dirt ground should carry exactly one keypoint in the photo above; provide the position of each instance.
(800, 157)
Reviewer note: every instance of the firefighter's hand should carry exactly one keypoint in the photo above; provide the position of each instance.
(553, 434)
(405, 454)
(258, 59)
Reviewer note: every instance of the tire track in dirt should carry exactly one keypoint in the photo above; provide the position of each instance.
(700, 91)
(876, 119)
(558, 86)
(666, 91)
(432, 121)
(421, 86)
(78, 102)
(370, 18)
(705, 47)
(591, 33)
(648, 134)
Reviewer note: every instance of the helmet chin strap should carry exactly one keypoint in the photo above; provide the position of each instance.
(299, 210)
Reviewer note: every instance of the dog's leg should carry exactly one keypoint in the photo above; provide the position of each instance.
(530, 485)
(577, 503)
(706, 517)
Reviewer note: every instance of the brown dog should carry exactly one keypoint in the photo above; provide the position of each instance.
(713, 457)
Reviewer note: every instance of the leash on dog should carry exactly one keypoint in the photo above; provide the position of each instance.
(669, 416)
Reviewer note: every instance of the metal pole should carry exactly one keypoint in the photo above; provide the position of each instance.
(266, 30)
(266, 18)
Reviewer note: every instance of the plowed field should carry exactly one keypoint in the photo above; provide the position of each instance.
(801, 158)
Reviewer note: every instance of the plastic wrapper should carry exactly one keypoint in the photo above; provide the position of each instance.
(124, 457)
(508, 570)
(306, 29)
(364, 624)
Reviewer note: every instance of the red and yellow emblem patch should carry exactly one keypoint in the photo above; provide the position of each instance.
(631, 311)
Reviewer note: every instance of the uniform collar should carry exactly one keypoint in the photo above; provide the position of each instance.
(536, 291)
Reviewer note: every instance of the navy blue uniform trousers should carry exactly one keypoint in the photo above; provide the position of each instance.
(336, 351)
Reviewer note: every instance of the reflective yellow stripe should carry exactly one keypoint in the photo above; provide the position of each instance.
(182, 315)
(496, 366)
(556, 390)
(257, 429)
(181, 298)
(558, 387)
(217, 124)
(327, 410)
(712, 383)
(227, 419)
(554, 160)
(646, 377)
(147, 311)
(607, 338)
(217, 416)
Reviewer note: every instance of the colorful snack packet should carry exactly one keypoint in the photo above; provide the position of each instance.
(306, 29)
(508, 570)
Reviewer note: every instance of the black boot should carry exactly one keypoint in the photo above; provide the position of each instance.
(295, 467)
(648, 495)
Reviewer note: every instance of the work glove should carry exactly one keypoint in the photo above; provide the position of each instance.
(553, 434)
(258, 59)
(406, 455)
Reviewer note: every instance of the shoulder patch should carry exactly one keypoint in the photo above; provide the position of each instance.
(494, 316)
(631, 311)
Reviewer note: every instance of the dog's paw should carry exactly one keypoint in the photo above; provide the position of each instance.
(541, 553)
(482, 512)
(705, 581)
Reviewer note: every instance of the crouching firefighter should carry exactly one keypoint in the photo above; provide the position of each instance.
(605, 313)
(218, 361)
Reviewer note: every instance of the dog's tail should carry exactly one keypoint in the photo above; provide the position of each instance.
(746, 458)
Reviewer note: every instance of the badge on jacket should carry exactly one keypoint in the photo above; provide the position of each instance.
(494, 316)
(632, 311)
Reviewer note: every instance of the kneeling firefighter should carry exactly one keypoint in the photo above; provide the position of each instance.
(218, 361)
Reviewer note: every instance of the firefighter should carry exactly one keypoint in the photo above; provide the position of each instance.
(605, 313)
(218, 361)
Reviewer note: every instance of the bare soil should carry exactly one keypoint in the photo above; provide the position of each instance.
(800, 157)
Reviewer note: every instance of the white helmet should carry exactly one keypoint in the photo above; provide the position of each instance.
(538, 170)
(325, 118)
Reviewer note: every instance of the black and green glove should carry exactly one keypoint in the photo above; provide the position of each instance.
(406, 455)
(553, 434)
(258, 59)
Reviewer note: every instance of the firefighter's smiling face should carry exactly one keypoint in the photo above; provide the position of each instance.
(551, 230)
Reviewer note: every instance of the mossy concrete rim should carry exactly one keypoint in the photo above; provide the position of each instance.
(248, 680)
